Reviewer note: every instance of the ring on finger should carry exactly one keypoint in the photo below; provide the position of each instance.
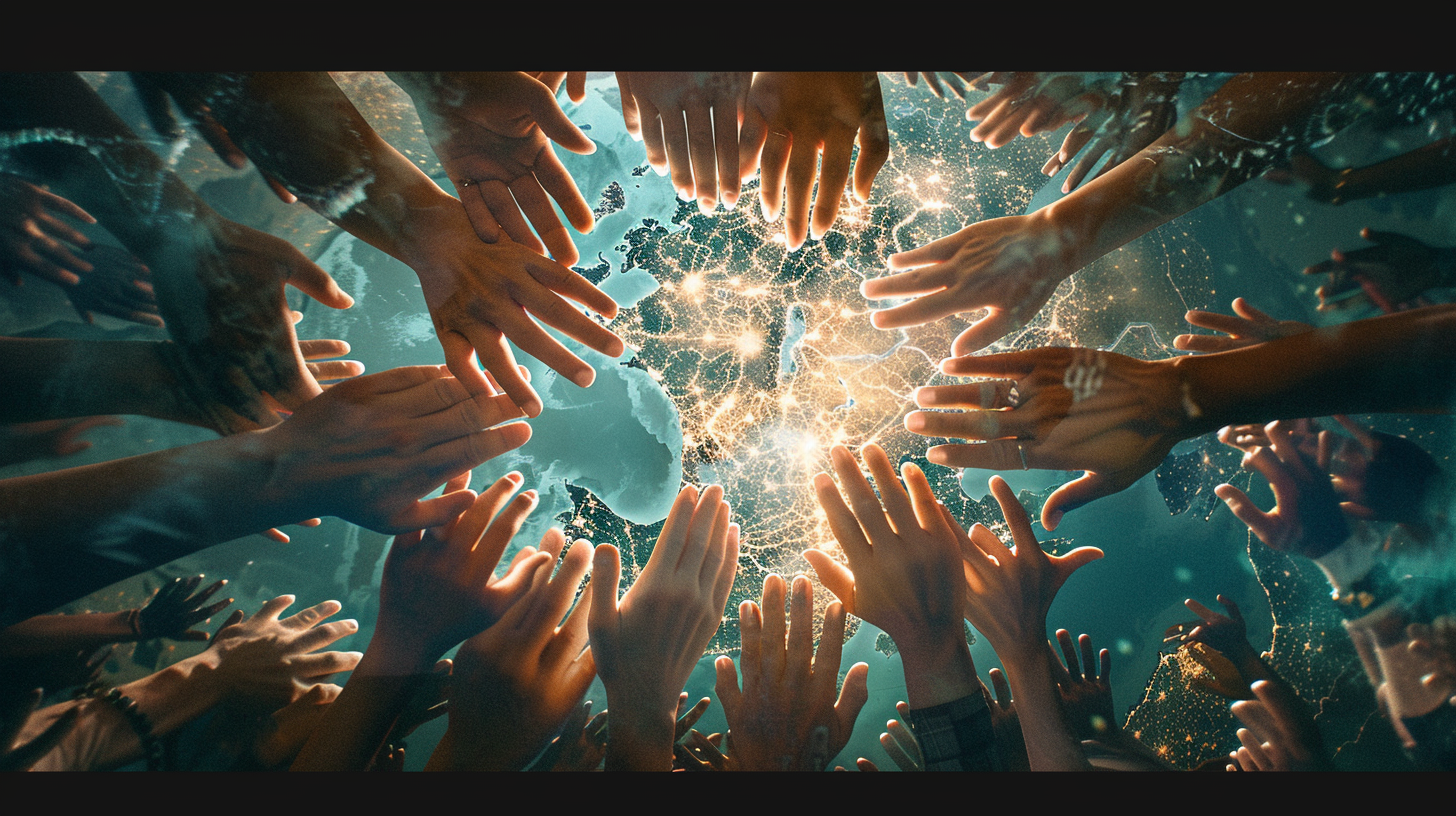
(1021, 449)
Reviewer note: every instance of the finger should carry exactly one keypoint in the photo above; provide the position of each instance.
(503, 208)
(1244, 510)
(554, 122)
(309, 278)
(323, 635)
(726, 116)
(655, 140)
(606, 577)
(1002, 688)
(1089, 662)
(874, 147)
(1069, 654)
(800, 650)
(1205, 343)
(853, 696)
(1015, 515)
(1010, 366)
(988, 395)
(1074, 494)
(799, 179)
(489, 345)
(750, 656)
(773, 654)
(772, 162)
(868, 513)
(751, 138)
(482, 220)
(322, 665)
(831, 651)
(306, 618)
(1208, 616)
(996, 324)
(568, 284)
(673, 539)
(892, 493)
(537, 208)
(970, 424)
(704, 162)
(833, 575)
(704, 552)
(833, 176)
(558, 182)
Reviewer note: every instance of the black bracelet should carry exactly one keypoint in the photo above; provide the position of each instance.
(152, 748)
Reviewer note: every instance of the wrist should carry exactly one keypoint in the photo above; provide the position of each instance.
(938, 673)
(639, 740)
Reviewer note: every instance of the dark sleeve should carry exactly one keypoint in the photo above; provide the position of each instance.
(957, 736)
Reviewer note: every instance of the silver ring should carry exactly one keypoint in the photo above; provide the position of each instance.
(463, 183)
(1013, 397)
(1021, 449)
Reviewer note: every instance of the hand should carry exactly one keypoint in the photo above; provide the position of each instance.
(1391, 274)
(25, 441)
(1226, 634)
(713, 105)
(368, 448)
(900, 743)
(1030, 103)
(1306, 518)
(790, 118)
(158, 90)
(1280, 733)
(34, 239)
(220, 289)
(1011, 590)
(292, 725)
(1008, 266)
(1086, 691)
(16, 710)
(1326, 185)
(439, 586)
(582, 743)
(191, 400)
(174, 610)
(956, 81)
(1143, 108)
(647, 643)
(1435, 643)
(1110, 415)
(490, 130)
(789, 692)
(481, 295)
(1005, 722)
(1250, 327)
(266, 662)
(904, 572)
(118, 285)
(518, 681)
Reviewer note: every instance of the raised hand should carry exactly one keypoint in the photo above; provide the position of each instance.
(956, 81)
(1030, 103)
(1247, 327)
(1392, 274)
(1008, 266)
(439, 585)
(35, 239)
(1011, 589)
(1086, 690)
(267, 662)
(1113, 416)
(789, 690)
(174, 610)
(646, 644)
(794, 116)
(492, 131)
(1306, 518)
(370, 447)
(703, 156)
(1280, 734)
(518, 681)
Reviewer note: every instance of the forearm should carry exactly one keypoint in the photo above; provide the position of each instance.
(1433, 165)
(1404, 362)
(59, 379)
(1050, 745)
(301, 129)
(639, 740)
(356, 724)
(137, 513)
(105, 738)
(1234, 136)
(938, 673)
(48, 634)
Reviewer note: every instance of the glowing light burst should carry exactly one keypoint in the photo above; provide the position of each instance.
(770, 356)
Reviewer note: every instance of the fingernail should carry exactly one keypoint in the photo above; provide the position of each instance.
(515, 477)
(915, 421)
(706, 205)
(350, 623)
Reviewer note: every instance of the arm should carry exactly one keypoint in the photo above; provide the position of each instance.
(365, 451)
(302, 130)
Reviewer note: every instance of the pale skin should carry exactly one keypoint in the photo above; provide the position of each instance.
(646, 644)
(688, 121)
(788, 689)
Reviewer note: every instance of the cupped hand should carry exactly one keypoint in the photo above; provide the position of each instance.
(35, 239)
(370, 447)
(492, 131)
(1007, 266)
(789, 689)
(794, 116)
(439, 585)
(1246, 327)
(646, 644)
(1306, 518)
(221, 291)
(1068, 409)
(703, 155)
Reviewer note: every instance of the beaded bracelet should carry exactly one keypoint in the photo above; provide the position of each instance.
(152, 748)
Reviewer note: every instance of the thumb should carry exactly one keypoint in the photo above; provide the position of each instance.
(313, 281)
(834, 576)
(1072, 495)
(554, 123)
(606, 578)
